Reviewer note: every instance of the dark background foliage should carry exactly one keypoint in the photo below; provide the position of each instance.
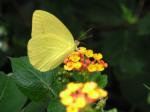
(119, 29)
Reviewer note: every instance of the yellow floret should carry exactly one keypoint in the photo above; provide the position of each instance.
(74, 86)
(89, 86)
(71, 108)
(80, 102)
(91, 68)
(99, 67)
(97, 56)
(102, 92)
(82, 50)
(69, 66)
(68, 100)
(74, 58)
(65, 93)
(89, 53)
(77, 65)
(94, 94)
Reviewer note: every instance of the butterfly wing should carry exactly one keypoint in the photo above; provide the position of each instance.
(51, 41)
(44, 22)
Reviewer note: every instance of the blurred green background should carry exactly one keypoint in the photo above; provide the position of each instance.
(119, 29)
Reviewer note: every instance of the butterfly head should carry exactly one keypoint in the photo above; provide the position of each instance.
(77, 42)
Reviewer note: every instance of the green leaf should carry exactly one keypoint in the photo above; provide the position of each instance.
(101, 80)
(11, 99)
(35, 107)
(78, 77)
(94, 76)
(33, 83)
(56, 106)
(22, 63)
(112, 110)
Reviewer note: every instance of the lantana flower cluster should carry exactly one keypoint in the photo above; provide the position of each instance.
(77, 95)
(85, 59)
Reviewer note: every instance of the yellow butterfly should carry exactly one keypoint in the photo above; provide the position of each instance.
(51, 41)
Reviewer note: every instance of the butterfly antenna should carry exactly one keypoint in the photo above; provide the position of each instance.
(83, 35)
(83, 44)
